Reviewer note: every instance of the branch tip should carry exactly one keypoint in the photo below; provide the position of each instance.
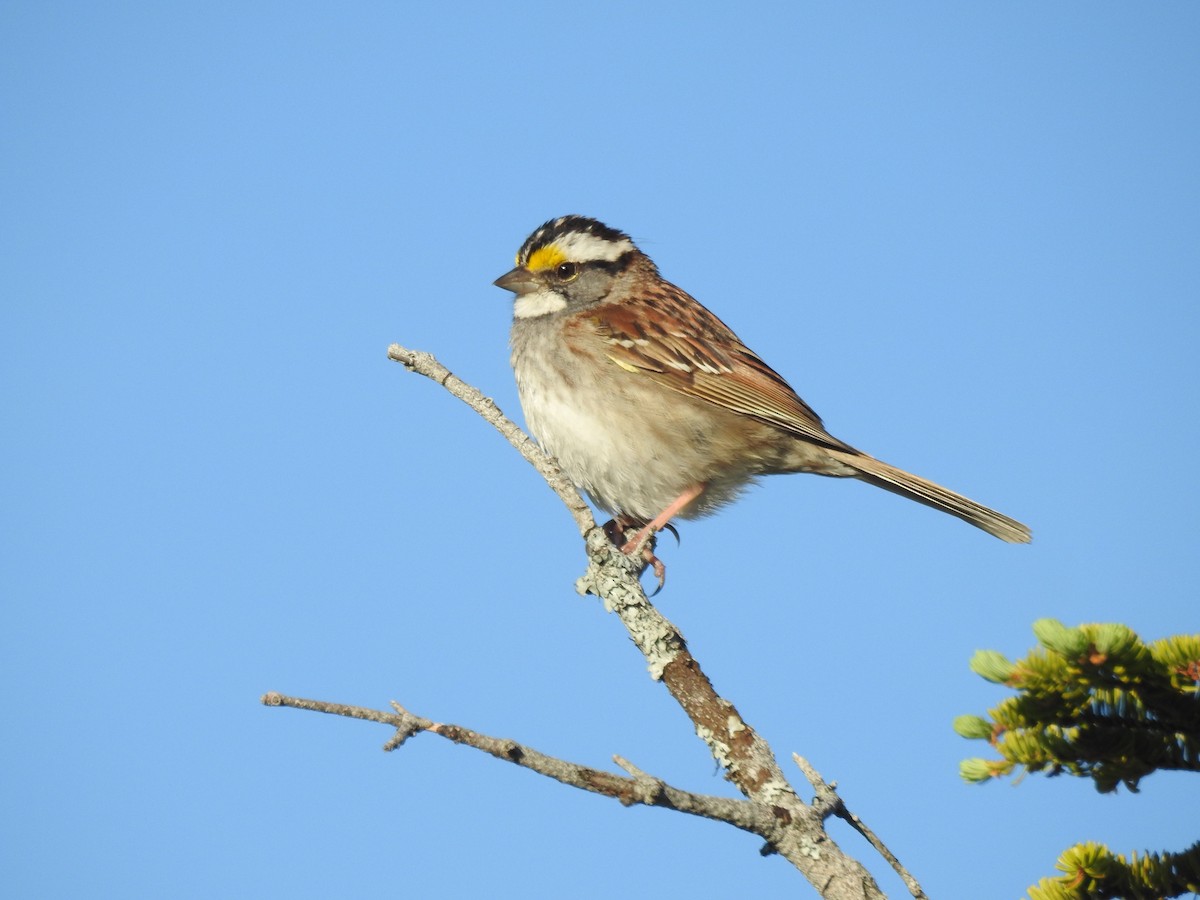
(426, 364)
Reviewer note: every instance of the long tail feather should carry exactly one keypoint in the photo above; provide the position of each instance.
(916, 488)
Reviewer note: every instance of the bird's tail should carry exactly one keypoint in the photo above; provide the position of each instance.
(906, 484)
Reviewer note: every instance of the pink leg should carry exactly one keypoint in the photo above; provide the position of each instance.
(663, 518)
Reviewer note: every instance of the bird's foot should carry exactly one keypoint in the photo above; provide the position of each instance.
(642, 543)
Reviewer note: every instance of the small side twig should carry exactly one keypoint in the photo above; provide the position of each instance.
(830, 803)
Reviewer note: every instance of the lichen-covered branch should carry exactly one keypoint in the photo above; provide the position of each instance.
(798, 833)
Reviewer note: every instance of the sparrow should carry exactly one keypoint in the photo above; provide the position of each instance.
(652, 405)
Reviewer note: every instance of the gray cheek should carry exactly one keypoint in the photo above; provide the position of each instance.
(591, 289)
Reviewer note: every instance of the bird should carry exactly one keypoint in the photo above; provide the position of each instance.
(653, 406)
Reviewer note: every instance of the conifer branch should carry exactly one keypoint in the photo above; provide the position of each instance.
(1093, 701)
(1092, 872)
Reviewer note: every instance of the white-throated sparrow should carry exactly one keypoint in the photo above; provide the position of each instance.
(651, 404)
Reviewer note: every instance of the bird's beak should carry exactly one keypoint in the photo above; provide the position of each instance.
(520, 281)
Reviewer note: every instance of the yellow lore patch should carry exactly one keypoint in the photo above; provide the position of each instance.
(545, 258)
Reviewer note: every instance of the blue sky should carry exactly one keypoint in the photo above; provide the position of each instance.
(967, 234)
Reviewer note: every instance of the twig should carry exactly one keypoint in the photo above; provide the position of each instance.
(425, 364)
(830, 803)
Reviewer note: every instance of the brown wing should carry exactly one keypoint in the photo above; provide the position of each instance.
(671, 338)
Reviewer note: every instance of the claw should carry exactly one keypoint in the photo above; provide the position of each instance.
(660, 571)
(641, 543)
(646, 547)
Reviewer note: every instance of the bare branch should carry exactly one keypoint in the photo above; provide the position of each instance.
(641, 788)
(830, 803)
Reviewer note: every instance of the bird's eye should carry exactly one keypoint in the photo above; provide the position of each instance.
(566, 271)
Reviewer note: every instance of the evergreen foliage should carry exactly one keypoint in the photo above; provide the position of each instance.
(1096, 702)
(1092, 701)
(1094, 873)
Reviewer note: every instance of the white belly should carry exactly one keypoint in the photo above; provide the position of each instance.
(593, 431)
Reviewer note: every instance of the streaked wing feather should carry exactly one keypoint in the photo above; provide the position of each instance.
(686, 348)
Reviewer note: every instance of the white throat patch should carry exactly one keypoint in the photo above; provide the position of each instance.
(538, 303)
